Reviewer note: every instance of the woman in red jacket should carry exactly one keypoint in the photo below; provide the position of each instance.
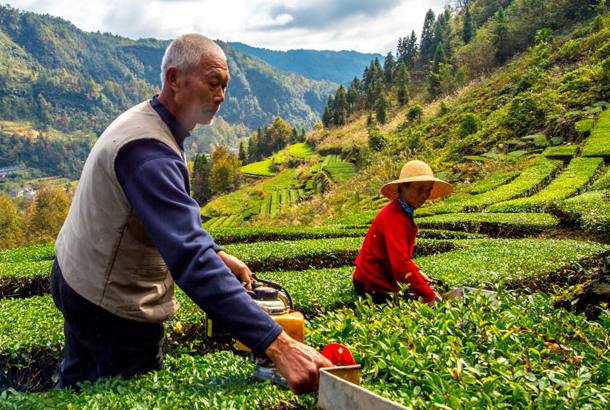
(385, 257)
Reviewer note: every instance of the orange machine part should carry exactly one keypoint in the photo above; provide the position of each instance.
(292, 322)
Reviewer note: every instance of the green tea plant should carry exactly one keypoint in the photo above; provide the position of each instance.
(603, 182)
(220, 380)
(491, 182)
(225, 236)
(302, 150)
(589, 211)
(572, 180)
(561, 151)
(532, 179)
(512, 261)
(598, 143)
(521, 354)
(261, 168)
(493, 224)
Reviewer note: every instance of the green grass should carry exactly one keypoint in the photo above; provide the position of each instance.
(302, 150)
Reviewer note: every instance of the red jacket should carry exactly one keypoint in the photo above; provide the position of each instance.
(385, 257)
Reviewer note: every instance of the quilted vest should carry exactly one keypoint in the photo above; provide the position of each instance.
(103, 250)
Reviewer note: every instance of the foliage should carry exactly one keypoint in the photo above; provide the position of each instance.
(302, 150)
(477, 356)
(260, 168)
(571, 181)
(561, 151)
(598, 144)
(536, 175)
(491, 182)
(494, 224)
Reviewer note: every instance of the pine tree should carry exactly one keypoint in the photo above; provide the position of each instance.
(501, 38)
(389, 68)
(426, 44)
(467, 28)
(200, 179)
(340, 106)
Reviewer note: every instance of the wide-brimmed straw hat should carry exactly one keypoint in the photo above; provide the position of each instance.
(417, 171)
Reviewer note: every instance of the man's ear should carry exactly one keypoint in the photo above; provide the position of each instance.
(172, 76)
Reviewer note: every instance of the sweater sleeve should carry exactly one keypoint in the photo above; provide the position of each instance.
(399, 240)
(156, 181)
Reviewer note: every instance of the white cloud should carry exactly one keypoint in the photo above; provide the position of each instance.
(360, 25)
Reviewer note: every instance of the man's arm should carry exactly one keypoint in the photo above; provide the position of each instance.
(157, 190)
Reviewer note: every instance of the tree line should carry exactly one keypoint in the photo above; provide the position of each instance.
(219, 173)
(456, 46)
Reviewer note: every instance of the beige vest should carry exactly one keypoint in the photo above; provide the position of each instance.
(104, 252)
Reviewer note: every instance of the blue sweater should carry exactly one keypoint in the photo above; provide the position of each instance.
(156, 181)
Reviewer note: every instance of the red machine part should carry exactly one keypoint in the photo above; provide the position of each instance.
(338, 354)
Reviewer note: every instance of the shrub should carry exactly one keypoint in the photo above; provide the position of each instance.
(472, 355)
(302, 150)
(492, 224)
(598, 143)
(573, 179)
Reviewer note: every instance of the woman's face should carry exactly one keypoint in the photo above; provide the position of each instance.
(416, 193)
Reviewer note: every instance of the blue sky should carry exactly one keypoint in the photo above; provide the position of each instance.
(368, 26)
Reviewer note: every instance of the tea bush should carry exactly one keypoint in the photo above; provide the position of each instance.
(302, 150)
(529, 181)
(572, 180)
(219, 380)
(492, 182)
(521, 354)
(492, 224)
(598, 143)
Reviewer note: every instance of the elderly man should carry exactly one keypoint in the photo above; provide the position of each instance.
(133, 231)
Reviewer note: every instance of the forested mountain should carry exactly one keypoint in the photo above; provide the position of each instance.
(66, 83)
(335, 66)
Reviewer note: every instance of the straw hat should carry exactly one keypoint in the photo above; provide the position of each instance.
(417, 171)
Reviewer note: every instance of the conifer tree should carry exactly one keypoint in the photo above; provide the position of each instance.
(467, 28)
(389, 68)
(200, 179)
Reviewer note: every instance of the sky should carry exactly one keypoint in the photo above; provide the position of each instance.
(366, 26)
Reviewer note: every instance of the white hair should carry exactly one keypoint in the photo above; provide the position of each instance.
(186, 51)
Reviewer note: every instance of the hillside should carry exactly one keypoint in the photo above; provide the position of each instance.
(59, 80)
(336, 66)
(543, 102)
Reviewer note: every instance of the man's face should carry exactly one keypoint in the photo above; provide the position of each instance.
(203, 92)
(416, 193)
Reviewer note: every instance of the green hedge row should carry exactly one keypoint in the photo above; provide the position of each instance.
(25, 279)
(561, 151)
(598, 143)
(573, 180)
(589, 211)
(220, 380)
(522, 354)
(492, 224)
(531, 180)
(225, 236)
(516, 262)
(31, 333)
(492, 182)
(603, 182)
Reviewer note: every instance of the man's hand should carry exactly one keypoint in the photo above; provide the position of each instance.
(238, 268)
(298, 363)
